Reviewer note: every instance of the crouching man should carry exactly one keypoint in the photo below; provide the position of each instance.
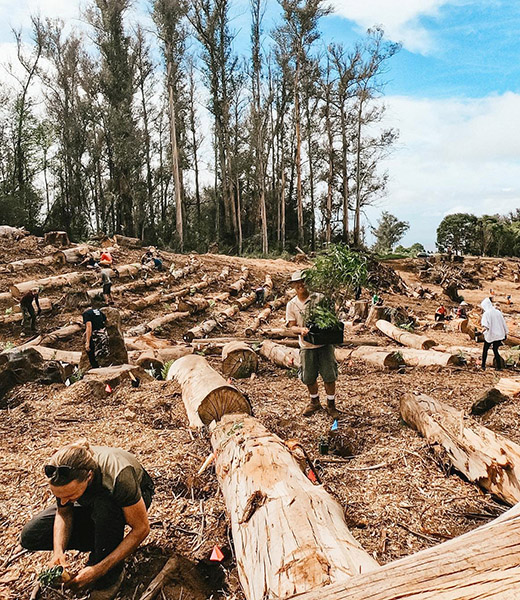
(98, 491)
(315, 360)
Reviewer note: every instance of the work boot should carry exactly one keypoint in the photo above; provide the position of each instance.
(312, 407)
(332, 410)
(110, 592)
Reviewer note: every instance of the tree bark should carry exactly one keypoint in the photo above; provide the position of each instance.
(238, 360)
(375, 314)
(484, 457)
(509, 386)
(28, 263)
(278, 332)
(479, 565)
(289, 535)
(156, 359)
(56, 281)
(71, 255)
(412, 340)
(239, 284)
(280, 355)
(205, 393)
(128, 242)
(56, 238)
(64, 356)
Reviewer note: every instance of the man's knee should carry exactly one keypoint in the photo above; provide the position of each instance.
(38, 533)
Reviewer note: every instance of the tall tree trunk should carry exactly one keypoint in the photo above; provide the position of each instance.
(298, 160)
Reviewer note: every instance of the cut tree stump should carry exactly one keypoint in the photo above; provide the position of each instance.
(360, 310)
(412, 340)
(71, 255)
(280, 355)
(238, 360)
(479, 565)
(128, 242)
(289, 535)
(56, 238)
(389, 358)
(461, 325)
(488, 400)
(376, 314)
(484, 457)
(205, 393)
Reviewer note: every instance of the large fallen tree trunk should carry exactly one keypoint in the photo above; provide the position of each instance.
(479, 565)
(18, 289)
(484, 457)
(132, 286)
(512, 340)
(71, 255)
(420, 342)
(151, 300)
(64, 356)
(280, 355)
(246, 301)
(128, 242)
(157, 323)
(389, 358)
(45, 304)
(210, 324)
(184, 271)
(289, 535)
(205, 393)
(238, 360)
(28, 263)
(47, 339)
(410, 357)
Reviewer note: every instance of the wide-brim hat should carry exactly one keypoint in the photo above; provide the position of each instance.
(298, 276)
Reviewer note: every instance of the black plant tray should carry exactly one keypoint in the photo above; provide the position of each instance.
(320, 337)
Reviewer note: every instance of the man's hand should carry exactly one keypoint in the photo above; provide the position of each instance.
(58, 558)
(304, 330)
(87, 346)
(85, 577)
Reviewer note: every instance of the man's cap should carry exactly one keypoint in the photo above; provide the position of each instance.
(297, 276)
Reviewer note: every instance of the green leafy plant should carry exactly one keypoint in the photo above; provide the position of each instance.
(321, 314)
(53, 576)
(76, 376)
(8, 311)
(7, 346)
(166, 368)
(407, 327)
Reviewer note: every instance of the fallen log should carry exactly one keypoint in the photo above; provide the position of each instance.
(200, 330)
(509, 386)
(389, 358)
(479, 565)
(18, 289)
(277, 332)
(484, 457)
(48, 339)
(156, 359)
(71, 255)
(280, 355)
(151, 300)
(428, 358)
(238, 360)
(297, 530)
(236, 287)
(264, 314)
(461, 325)
(512, 340)
(155, 324)
(16, 315)
(184, 272)
(412, 340)
(147, 341)
(130, 270)
(128, 242)
(205, 393)
(28, 263)
(115, 375)
(45, 304)
(64, 356)
(246, 301)
(129, 287)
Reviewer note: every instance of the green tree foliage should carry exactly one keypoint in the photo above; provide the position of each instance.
(457, 232)
(388, 232)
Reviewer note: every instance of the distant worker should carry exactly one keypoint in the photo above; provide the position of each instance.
(105, 260)
(441, 313)
(106, 283)
(96, 335)
(461, 310)
(495, 332)
(88, 261)
(315, 360)
(28, 312)
(98, 491)
(509, 300)
(377, 300)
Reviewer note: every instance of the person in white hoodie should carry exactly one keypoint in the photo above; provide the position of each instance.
(495, 332)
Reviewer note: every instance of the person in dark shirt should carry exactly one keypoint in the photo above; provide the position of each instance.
(28, 312)
(98, 491)
(96, 336)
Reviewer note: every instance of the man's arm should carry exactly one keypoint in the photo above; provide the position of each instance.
(61, 534)
(291, 325)
(88, 334)
(137, 517)
(37, 302)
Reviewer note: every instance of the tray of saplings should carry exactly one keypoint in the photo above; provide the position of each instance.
(323, 324)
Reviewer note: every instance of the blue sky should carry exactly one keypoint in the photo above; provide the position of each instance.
(453, 91)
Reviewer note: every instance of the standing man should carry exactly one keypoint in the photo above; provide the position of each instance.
(315, 360)
(96, 335)
(106, 282)
(495, 332)
(28, 312)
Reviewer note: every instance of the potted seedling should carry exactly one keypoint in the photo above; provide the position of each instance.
(323, 324)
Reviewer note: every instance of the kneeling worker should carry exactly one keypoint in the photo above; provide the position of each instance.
(98, 491)
(315, 360)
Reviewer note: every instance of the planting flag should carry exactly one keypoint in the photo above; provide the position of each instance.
(312, 476)
(108, 389)
(216, 555)
(334, 425)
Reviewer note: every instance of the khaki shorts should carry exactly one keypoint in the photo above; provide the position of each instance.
(318, 361)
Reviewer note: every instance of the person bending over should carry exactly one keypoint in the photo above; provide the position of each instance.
(495, 332)
(28, 312)
(98, 491)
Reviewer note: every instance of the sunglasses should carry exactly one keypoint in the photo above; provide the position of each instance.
(60, 471)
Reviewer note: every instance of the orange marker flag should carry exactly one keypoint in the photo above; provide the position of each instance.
(312, 476)
(216, 555)
(108, 389)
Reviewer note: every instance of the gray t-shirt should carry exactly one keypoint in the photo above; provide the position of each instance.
(105, 276)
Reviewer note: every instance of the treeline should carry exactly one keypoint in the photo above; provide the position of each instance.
(102, 130)
(489, 235)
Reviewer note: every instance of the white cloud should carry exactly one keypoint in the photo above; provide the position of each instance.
(400, 19)
(452, 156)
